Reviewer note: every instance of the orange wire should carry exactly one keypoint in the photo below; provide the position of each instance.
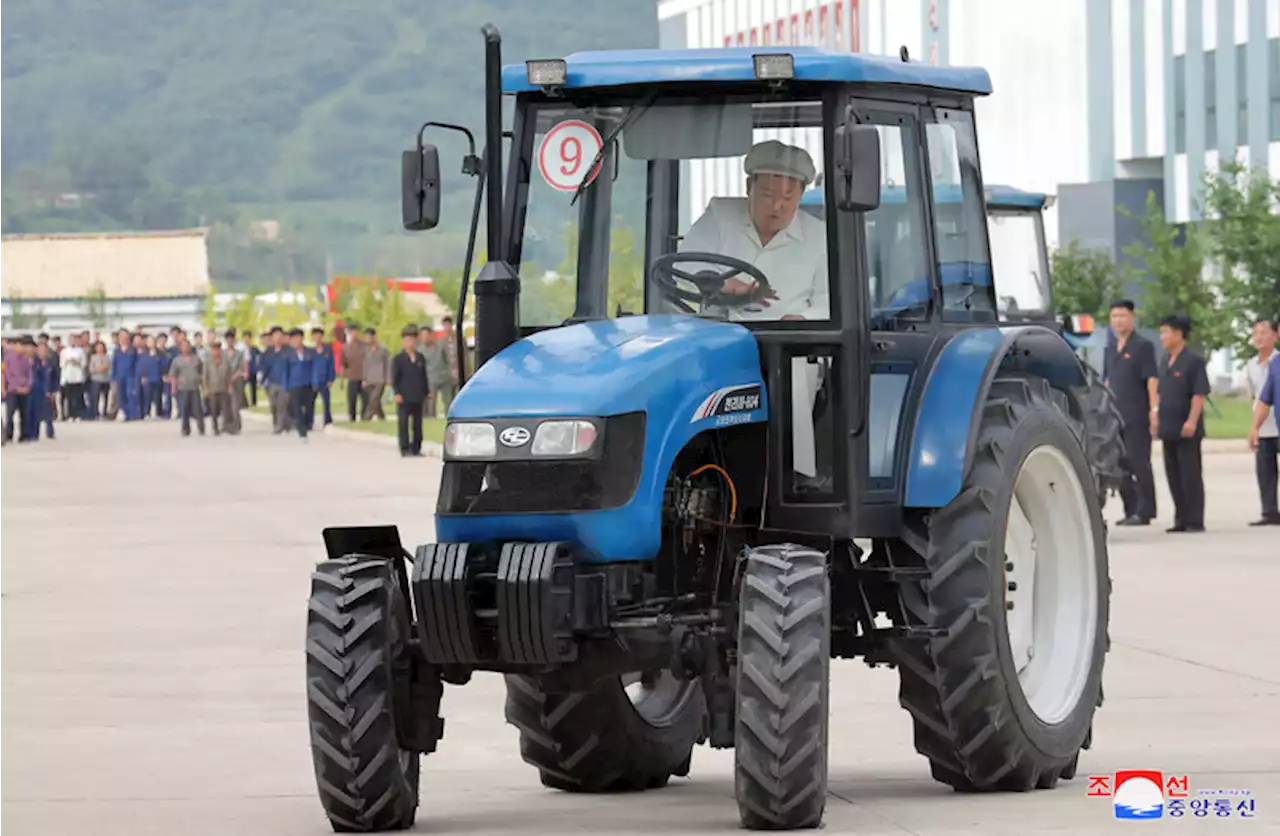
(733, 491)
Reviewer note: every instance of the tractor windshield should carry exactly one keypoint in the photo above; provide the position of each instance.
(607, 186)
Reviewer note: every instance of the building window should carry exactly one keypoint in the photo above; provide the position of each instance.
(1180, 104)
(1242, 94)
(1273, 84)
(1211, 100)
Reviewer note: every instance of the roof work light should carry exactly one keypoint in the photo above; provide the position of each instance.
(547, 72)
(775, 67)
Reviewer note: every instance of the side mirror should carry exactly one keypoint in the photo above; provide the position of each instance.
(857, 183)
(420, 188)
(1078, 325)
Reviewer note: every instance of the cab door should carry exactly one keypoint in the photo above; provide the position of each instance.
(818, 376)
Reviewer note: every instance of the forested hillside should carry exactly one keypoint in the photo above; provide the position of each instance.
(157, 113)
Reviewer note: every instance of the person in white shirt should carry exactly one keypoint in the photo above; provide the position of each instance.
(766, 230)
(1267, 451)
(75, 364)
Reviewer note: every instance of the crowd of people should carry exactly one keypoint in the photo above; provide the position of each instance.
(214, 376)
(1166, 400)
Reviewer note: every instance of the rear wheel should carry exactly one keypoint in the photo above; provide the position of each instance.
(357, 641)
(1104, 436)
(784, 661)
(1018, 586)
(626, 734)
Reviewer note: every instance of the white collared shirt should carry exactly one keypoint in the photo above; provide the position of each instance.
(794, 261)
(73, 363)
(1255, 373)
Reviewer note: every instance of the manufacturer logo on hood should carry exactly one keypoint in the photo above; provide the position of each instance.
(514, 437)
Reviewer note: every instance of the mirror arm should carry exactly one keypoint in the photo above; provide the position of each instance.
(448, 126)
(466, 272)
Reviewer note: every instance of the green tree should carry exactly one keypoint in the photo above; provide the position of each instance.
(1085, 281)
(1174, 278)
(1242, 231)
(245, 313)
(209, 308)
(21, 317)
(378, 304)
(94, 306)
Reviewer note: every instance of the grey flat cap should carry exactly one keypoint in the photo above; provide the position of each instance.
(773, 157)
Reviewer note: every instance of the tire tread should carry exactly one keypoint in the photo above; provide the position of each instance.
(780, 747)
(364, 787)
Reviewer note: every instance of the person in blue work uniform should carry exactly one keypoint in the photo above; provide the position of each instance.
(165, 357)
(275, 371)
(325, 373)
(299, 364)
(147, 370)
(139, 349)
(122, 363)
(44, 391)
(252, 353)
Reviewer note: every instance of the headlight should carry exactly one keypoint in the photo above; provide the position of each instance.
(470, 440)
(563, 438)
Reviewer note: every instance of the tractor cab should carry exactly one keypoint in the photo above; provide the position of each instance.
(651, 212)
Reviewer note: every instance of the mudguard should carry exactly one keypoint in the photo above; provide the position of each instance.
(687, 375)
(942, 444)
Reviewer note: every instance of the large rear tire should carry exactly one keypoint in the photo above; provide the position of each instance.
(615, 738)
(784, 661)
(357, 637)
(1004, 700)
(1104, 436)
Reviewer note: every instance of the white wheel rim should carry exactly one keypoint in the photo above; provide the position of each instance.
(658, 697)
(1051, 584)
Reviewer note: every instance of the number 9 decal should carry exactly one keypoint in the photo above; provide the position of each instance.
(565, 152)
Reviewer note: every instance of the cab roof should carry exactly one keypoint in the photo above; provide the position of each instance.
(613, 68)
(998, 197)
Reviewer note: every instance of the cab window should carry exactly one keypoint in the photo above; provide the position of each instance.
(960, 223)
(1017, 259)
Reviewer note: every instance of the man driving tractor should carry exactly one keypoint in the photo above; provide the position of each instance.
(766, 230)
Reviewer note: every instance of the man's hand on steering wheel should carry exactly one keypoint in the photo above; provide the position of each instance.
(714, 289)
(737, 287)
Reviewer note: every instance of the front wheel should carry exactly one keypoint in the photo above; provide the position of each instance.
(784, 661)
(1003, 698)
(357, 640)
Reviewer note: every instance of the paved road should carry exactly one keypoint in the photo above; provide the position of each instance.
(154, 592)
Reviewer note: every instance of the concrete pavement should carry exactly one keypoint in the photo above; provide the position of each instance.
(154, 592)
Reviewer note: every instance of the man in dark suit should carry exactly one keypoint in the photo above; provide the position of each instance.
(1129, 368)
(1184, 385)
(409, 382)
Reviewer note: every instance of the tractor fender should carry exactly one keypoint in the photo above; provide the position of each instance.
(942, 445)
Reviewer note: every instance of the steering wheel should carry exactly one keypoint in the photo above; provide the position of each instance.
(667, 277)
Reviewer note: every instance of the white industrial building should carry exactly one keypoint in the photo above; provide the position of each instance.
(104, 281)
(1098, 102)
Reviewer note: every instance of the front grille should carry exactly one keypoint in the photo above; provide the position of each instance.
(550, 487)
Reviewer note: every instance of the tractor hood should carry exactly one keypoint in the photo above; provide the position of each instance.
(655, 364)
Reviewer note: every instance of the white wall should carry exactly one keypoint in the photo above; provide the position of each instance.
(61, 316)
(1033, 129)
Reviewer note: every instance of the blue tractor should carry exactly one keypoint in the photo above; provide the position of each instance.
(811, 438)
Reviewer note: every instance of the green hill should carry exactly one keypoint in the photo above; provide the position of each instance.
(164, 113)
